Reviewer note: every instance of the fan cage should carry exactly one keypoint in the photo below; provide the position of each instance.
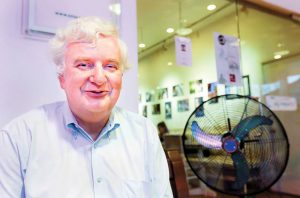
(266, 148)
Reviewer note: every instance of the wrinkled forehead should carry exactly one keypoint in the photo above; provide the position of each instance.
(93, 40)
(104, 47)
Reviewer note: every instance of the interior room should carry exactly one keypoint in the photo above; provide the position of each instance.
(269, 57)
(229, 132)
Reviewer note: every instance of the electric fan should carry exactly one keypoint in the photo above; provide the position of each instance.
(235, 145)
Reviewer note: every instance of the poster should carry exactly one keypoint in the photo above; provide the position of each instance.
(227, 52)
(183, 51)
(281, 103)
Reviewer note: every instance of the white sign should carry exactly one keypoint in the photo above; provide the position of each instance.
(45, 16)
(227, 52)
(183, 51)
(281, 103)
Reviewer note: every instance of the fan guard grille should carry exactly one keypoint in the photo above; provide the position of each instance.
(265, 148)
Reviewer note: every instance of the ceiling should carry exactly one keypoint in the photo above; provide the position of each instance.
(155, 16)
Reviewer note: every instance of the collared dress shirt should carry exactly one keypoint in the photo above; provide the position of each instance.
(46, 154)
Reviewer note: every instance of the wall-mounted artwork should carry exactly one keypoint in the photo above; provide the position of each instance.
(168, 110)
(199, 109)
(183, 105)
(149, 96)
(198, 101)
(212, 91)
(196, 86)
(162, 93)
(177, 90)
(156, 109)
(145, 113)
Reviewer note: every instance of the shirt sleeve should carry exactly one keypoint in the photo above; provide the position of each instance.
(159, 171)
(11, 182)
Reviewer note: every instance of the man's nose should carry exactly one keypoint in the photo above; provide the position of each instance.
(98, 75)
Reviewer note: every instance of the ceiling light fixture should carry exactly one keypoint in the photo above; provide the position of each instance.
(277, 56)
(142, 45)
(211, 7)
(141, 41)
(170, 30)
(182, 31)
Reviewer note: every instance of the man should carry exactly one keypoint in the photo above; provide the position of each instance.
(85, 147)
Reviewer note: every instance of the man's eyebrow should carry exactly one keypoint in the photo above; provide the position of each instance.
(113, 60)
(81, 59)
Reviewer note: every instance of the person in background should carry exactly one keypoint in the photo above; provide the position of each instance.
(84, 146)
(162, 130)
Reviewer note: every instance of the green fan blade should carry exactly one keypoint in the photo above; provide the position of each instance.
(249, 123)
(242, 170)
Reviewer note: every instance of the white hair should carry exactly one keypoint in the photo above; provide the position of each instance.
(84, 29)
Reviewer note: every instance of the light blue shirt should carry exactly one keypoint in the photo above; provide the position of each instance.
(45, 153)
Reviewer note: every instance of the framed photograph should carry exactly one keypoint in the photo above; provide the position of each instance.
(212, 91)
(198, 101)
(149, 96)
(168, 110)
(155, 109)
(196, 87)
(200, 111)
(177, 90)
(162, 93)
(183, 105)
(145, 113)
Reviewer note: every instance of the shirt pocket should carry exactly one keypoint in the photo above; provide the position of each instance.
(136, 189)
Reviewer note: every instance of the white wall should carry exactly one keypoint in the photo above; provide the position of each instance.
(27, 76)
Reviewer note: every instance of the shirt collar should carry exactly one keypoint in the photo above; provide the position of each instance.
(71, 123)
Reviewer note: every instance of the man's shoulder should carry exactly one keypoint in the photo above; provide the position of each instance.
(34, 116)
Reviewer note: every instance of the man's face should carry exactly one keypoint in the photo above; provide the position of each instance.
(92, 77)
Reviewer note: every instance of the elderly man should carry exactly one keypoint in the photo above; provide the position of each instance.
(85, 147)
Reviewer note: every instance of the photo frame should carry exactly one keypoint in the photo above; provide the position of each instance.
(177, 90)
(183, 105)
(195, 87)
(168, 110)
(156, 109)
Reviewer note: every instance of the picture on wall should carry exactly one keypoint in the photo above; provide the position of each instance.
(199, 112)
(155, 109)
(163, 93)
(145, 111)
(198, 101)
(177, 90)
(196, 87)
(149, 97)
(140, 97)
(212, 91)
(168, 110)
(183, 105)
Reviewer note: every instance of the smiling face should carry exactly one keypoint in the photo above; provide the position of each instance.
(92, 78)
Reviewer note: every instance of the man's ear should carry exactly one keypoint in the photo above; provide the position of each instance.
(61, 79)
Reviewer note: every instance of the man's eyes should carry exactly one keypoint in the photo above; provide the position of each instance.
(111, 66)
(106, 66)
(85, 65)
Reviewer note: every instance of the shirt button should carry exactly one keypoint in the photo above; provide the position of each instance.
(99, 180)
